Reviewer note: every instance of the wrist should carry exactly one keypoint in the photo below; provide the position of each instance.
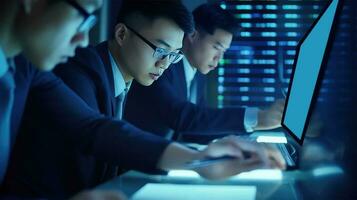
(251, 118)
(260, 116)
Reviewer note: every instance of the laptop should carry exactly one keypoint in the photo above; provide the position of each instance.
(309, 65)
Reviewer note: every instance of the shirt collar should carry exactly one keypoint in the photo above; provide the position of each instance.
(4, 66)
(190, 71)
(119, 83)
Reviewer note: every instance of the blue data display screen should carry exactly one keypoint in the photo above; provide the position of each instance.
(256, 70)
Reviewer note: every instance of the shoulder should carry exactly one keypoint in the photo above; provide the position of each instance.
(87, 57)
(174, 71)
(87, 61)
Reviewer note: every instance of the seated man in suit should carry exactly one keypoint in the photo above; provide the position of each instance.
(47, 32)
(16, 36)
(176, 101)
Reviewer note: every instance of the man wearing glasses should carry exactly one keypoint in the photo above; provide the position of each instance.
(181, 108)
(147, 39)
(26, 37)
(47, 33)
(63, 146)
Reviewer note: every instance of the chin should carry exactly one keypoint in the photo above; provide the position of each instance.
(45, 66)
(205, 72)
(149, 83)
(146, 82)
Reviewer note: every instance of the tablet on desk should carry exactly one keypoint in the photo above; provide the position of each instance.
(192, 192)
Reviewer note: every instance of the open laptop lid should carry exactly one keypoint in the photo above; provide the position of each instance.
(309, 65)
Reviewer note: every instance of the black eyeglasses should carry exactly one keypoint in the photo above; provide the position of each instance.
(160, 53)
(89, 19)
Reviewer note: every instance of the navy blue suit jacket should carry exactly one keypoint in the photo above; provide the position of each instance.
(90, 75)
(164, 106)
(43, 161)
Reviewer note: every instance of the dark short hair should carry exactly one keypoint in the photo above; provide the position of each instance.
(171, 9)
(209, 17)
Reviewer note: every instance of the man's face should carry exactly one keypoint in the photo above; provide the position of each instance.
(49, 34)
(139, 60)
(206, 49)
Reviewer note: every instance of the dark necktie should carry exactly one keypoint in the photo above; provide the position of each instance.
(7, 87)
(120, 105)
(112, 170)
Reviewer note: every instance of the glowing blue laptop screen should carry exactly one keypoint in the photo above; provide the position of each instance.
(308, 65)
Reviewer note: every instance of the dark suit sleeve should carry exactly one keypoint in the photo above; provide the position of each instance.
(183, 116)
(111, 141)
(77, 79)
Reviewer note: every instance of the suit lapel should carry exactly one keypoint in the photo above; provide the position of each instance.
(102, 50)
(200, 78)
(181, 79)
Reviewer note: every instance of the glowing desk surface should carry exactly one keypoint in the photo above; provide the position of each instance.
(322, 181)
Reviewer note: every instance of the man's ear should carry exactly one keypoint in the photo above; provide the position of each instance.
(120, 33)
(193, 36)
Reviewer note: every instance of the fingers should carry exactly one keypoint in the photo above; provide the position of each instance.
(255, 151)
(280, 102)
(244, 165)
(268, 154)
(253, 164)
(239, 147)
(256, 162)
(271, 118)
(228, 168)
(247, 145)
(278, 106)
(224, 146)
(276, 119)
(276, 158)
(261, 156)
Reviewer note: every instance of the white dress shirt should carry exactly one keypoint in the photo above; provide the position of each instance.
(190, 73)
(119, 83)
(3, 63)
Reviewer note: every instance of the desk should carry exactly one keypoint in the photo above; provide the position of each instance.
(318, 177)
(270, 184)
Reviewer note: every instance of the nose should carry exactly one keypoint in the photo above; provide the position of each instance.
(218, 56)
(163, 63)
(85, 40)
(80, 39)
